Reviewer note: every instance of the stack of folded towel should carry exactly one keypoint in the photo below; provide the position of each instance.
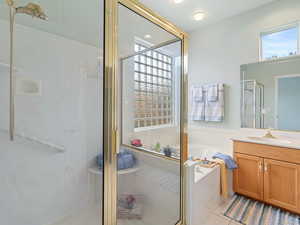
(126, 160)
(208, 102)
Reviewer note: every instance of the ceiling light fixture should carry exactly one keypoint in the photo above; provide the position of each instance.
(147, 36)
(177, 1)
(199, 16)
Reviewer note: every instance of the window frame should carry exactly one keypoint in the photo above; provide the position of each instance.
(275, 30)
(174, 115)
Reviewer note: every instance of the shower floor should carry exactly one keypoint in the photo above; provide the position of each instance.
(92, 216)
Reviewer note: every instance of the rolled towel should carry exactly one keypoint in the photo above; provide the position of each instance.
(100, 161)
(126, 160)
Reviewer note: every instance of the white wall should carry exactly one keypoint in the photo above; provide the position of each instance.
(216, 53)
(40, 185)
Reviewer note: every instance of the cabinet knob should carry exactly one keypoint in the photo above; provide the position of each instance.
(260, 166)
(266, 167)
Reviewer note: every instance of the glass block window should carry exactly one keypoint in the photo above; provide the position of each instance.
(280, 43)
(153, 86)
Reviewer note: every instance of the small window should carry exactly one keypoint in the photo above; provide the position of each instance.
(280, 43)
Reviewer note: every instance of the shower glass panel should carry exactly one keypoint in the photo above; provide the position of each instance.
(49, 173)
(252, 104)
(149, 152)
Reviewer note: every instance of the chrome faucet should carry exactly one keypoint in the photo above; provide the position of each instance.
(269, 134)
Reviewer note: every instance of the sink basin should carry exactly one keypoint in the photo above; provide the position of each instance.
(270, 140)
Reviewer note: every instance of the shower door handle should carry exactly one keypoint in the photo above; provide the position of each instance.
(116, 140)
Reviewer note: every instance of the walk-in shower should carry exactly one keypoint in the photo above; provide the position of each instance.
(74, 114)
(56, 89)
(30, 9)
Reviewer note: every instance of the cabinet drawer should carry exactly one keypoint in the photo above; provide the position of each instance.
(268, 151)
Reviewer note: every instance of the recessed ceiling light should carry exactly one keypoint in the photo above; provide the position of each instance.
(199, 16)
(147, 36)
(177, 1)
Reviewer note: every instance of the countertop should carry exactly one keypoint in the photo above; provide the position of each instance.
(291, 142)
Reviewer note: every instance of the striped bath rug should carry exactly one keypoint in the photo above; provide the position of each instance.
(250, 212)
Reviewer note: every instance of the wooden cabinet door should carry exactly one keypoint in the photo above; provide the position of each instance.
(248, 177)
(281, 184)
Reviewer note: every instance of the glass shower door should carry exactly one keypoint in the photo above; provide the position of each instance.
(49, 173)
(149, 155)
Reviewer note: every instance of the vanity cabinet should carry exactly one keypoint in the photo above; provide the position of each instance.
(268, 173)
(281, 184)
(248, 178)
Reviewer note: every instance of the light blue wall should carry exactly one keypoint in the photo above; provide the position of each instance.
(288, 103)
(217, 51)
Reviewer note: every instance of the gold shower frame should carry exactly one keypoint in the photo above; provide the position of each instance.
(110, 132)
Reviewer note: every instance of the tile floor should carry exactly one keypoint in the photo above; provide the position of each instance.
(92, 217)
(219, 220)
(216, 217)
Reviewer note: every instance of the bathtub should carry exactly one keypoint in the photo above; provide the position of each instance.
(203, 192)
(202, 151)
(206, 151)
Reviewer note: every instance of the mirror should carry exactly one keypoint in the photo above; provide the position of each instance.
(270, 94)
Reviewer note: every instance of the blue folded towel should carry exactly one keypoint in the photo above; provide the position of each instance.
(126, 160)
(230, 163)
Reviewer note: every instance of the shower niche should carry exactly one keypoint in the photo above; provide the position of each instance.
(28, 87)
